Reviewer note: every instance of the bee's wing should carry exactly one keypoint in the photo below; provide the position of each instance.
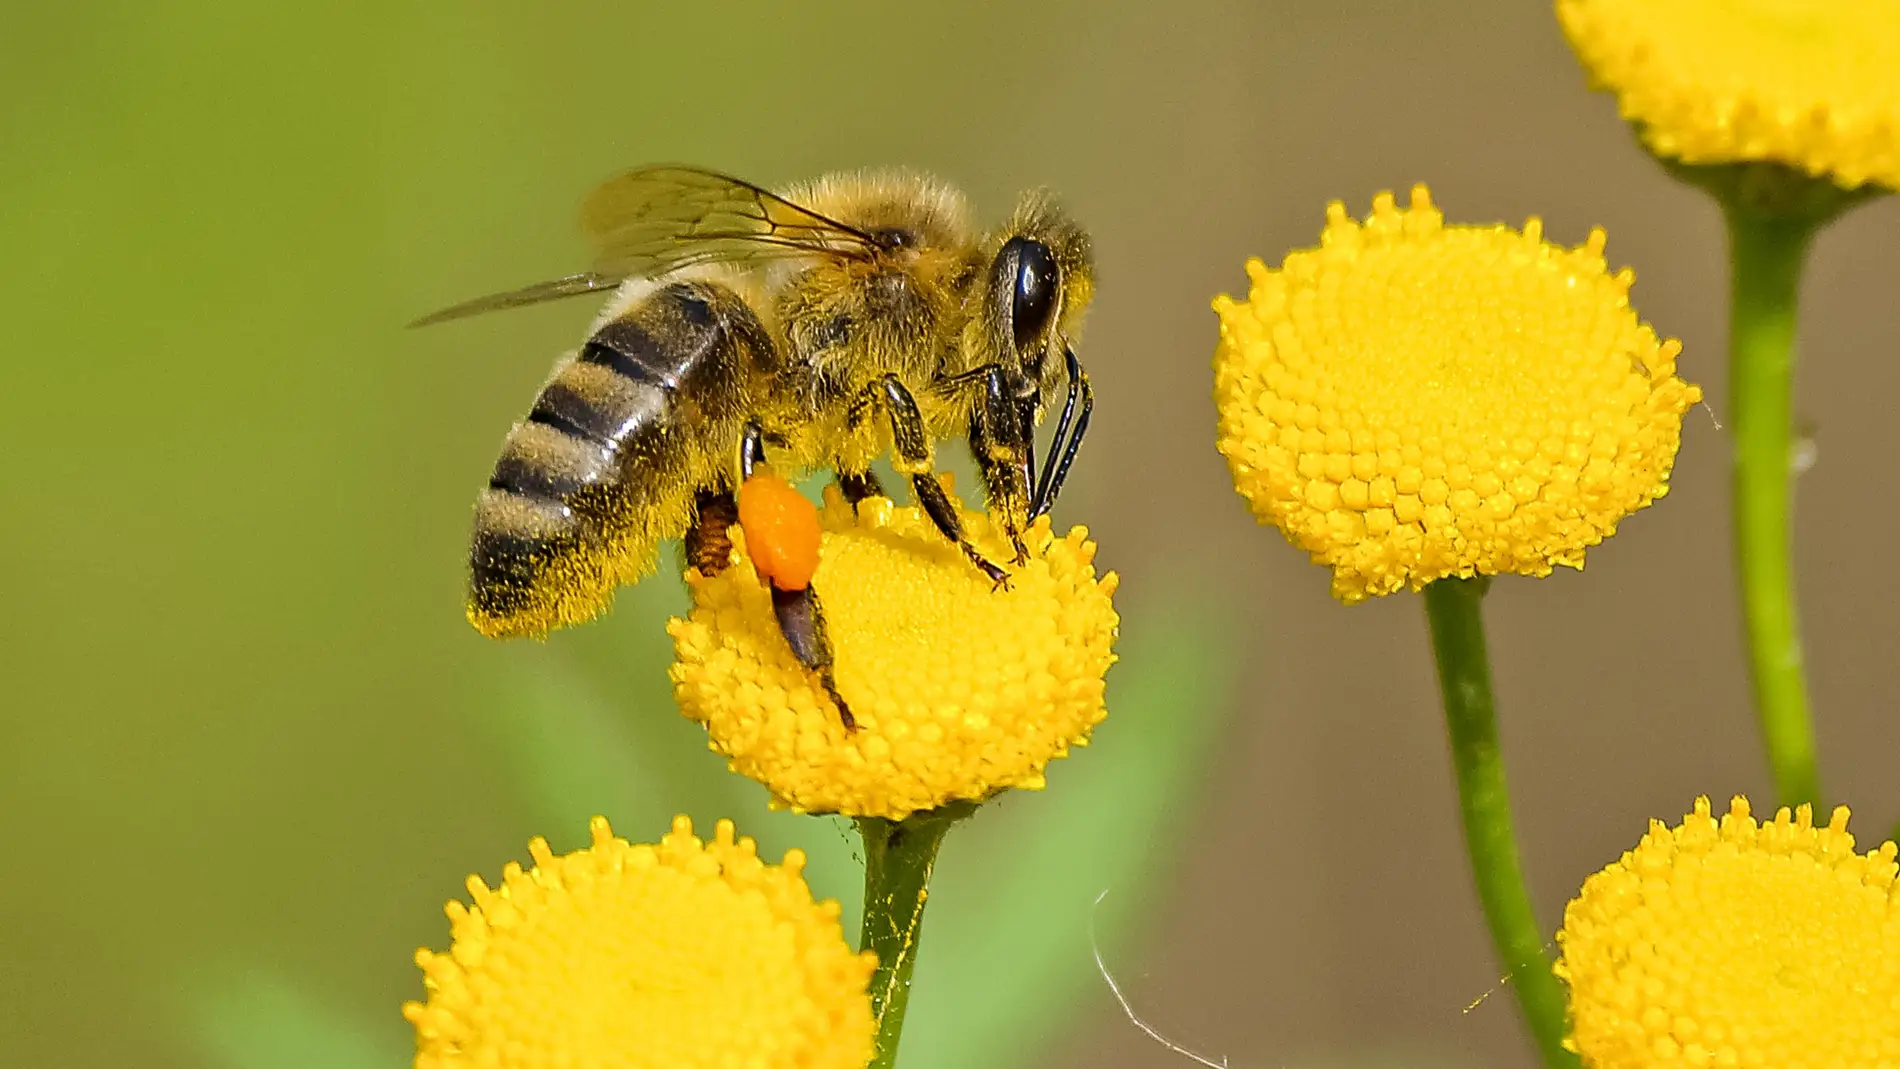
(652, 221)
(553, 289)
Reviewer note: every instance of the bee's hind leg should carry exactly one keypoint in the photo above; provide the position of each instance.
(708, 541)
(801, 619)
(751, 449)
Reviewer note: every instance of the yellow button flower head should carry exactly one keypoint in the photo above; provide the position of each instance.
(959, 689)
(1809, 84)
(671, 956)
(1412, 400)
(1737, 944)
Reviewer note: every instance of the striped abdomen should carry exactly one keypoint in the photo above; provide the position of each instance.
(606, 464)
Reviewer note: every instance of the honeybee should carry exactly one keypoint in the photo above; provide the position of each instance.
(840, 320)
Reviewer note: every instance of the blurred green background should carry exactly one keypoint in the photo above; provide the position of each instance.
(248, 745)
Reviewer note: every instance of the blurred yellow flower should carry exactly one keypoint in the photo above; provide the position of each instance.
(1811, 85)
(960, 689)
(1411, 400)
(671, 956)
(1737, 943)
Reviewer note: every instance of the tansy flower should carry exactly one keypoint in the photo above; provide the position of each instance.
(677, 955)
(1411, 400)
(960, 689)
(1810, 85)
(1737, 943)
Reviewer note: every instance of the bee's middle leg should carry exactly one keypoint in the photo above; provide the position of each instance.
(859, 485)
(910, 448)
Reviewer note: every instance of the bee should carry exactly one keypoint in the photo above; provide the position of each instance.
(844, 319)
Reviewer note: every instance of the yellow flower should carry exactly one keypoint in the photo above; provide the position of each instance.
(1737, 944)
(1411, 400)
(1812, 85)
(677, 955)
(959, 689)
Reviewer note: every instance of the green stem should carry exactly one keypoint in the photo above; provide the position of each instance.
(1454, 609)
(898, 858)
(1766, 253)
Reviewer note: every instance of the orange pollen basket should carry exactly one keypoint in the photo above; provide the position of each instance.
(781, 531)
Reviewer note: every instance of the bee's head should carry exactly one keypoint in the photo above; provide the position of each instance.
(1040, 280)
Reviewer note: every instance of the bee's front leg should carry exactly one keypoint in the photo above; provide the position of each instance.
(1001, 440)
(910, 449)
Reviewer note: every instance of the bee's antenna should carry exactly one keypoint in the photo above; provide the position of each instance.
(1062, 454)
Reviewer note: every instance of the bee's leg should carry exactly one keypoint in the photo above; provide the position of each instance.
(751, 449)
(801, 619)
(910, 447)
(1062, 454)
(1000, 442)
(859, 485)
(709, 539)
(930, 494)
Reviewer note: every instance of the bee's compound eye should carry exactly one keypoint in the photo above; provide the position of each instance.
(1034, 301)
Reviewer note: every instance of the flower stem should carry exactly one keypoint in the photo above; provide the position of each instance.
(898, 858)
(1766, 253)
(1454, 608)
